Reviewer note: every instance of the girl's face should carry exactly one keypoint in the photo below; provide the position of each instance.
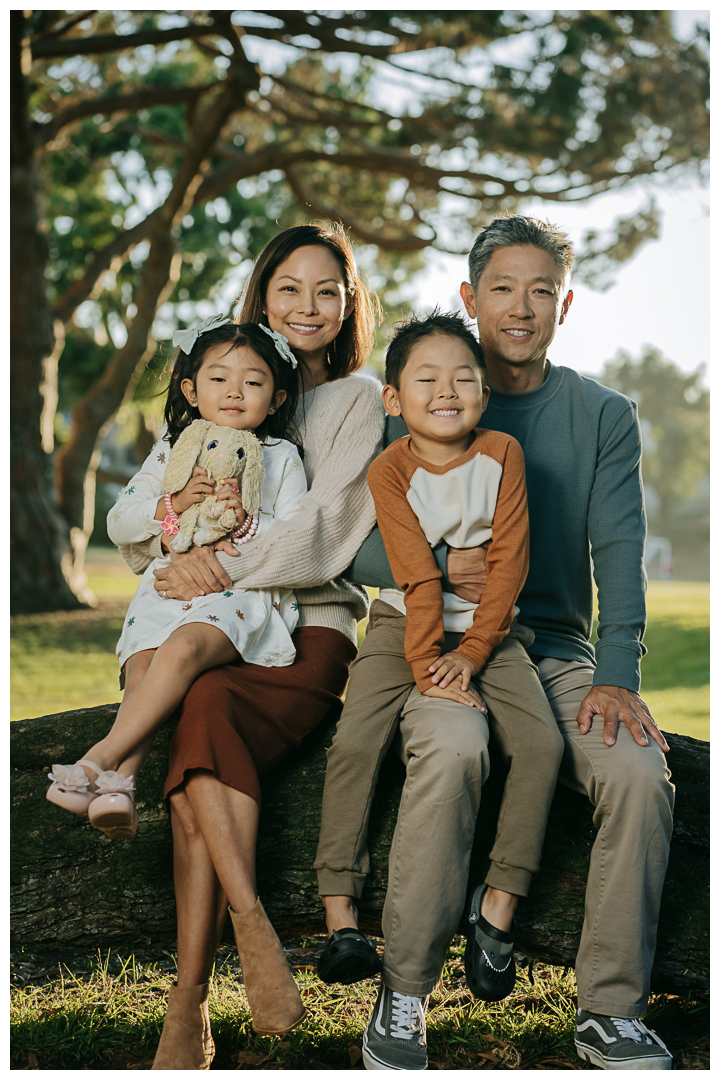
(233, 387)
(306, 299)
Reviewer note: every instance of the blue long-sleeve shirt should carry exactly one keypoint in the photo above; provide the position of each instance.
(582, 452)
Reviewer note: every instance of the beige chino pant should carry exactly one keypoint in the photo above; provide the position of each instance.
(629, 787)
(444, 747)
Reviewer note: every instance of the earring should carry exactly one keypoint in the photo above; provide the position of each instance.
(194, 403)
(271, 410)
(328, 361)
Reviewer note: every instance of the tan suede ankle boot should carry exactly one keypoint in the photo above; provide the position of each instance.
(186, 1042)
(273, 997)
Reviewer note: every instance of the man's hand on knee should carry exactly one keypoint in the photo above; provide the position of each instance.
(617, 705)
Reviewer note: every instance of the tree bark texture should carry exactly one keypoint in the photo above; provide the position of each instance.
(72, 886)
(43, 577)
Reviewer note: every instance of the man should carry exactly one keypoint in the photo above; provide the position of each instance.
(582, 454)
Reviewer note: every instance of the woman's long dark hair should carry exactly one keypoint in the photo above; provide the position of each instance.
(353, 345)
(179, 413)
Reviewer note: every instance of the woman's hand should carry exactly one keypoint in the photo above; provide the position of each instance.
(229, 491)
(193, 573)
(198, 486)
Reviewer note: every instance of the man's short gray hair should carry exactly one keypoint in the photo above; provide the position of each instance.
(518, 231)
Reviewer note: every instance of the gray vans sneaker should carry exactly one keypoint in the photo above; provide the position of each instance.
(613, 1042)
(395, 1037)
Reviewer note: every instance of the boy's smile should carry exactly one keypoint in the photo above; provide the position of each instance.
(441, 397)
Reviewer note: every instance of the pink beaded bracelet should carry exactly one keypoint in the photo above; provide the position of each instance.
(171, 525)
(246, 531)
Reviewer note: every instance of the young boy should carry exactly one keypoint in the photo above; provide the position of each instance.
(426, 654)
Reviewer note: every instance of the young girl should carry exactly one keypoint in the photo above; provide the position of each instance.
(239, 376)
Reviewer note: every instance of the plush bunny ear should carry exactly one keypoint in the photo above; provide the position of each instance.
(184, 455)
(253, 476)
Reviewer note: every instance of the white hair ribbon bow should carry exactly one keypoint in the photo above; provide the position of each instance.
(185, 339)
(281, 344)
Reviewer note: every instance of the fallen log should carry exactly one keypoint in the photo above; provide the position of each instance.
(71, 886)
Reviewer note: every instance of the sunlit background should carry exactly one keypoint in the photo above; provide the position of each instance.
(643, 328)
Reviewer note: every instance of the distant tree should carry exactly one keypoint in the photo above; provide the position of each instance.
(674, 410)
(152, 149)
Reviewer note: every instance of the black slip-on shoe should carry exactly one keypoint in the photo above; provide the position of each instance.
(348, 957)
(489, 960)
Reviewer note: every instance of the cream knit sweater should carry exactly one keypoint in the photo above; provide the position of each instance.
(341, 424)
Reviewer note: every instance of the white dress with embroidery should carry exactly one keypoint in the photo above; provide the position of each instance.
(259, 622)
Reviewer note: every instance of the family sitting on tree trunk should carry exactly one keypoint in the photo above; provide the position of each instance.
(480, 490)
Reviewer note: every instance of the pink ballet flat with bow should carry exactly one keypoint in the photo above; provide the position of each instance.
(70, 787)
(114, 804)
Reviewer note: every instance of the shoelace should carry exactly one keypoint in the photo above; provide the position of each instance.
(633, 1029)
(408, 1017)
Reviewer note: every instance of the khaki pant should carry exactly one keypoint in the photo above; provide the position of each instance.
(444, 746)
(629, 787)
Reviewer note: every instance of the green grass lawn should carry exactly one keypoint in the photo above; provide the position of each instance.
(67, 660)
(676, 670)
(107, 1013)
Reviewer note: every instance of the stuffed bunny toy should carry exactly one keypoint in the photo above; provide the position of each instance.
(225, 454)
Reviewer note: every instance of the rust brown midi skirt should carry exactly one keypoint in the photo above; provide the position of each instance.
(240, 720)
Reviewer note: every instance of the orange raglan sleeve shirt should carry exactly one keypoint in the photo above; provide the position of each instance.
(391, 478)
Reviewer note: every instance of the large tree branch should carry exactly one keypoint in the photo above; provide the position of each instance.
(326, 33)
(133, 101)
(370, 159)
(360, 228)
(181, 196)
(80, 290)
(105, 43)
(63, 29)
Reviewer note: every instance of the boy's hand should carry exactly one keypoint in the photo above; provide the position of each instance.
(450, 667)
(198, 486)
(454, 693)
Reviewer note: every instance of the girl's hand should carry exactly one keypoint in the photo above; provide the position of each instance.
(198, 486)
(230, 492)
(450, 667)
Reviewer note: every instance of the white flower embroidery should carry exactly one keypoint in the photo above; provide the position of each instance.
(70, 777)
(114, 781)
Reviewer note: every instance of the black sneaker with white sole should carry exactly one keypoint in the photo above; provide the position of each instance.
(614, 1042)
(395, 1037)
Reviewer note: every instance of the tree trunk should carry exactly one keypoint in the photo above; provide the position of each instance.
(43, 575)
(72, 886)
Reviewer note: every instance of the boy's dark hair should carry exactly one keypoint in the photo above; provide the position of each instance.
(413, 329)
(178, 411)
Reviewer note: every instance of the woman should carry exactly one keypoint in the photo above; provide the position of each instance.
(238, 721)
